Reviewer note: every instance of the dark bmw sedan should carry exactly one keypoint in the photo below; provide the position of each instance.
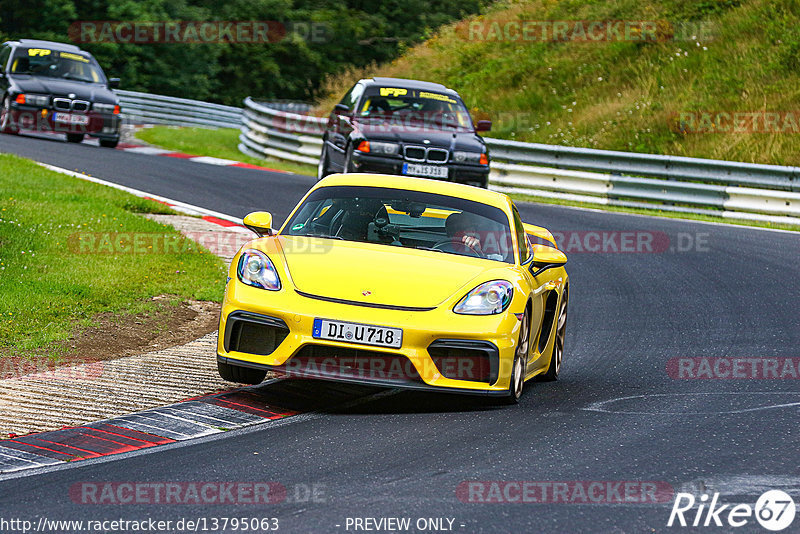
(397, 126)
(47, 86)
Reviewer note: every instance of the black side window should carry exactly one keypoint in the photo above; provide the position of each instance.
(522, 238)
(5, 53)
(355, 96)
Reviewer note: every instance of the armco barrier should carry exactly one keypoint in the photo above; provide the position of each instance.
(726, 189)
(145, 108)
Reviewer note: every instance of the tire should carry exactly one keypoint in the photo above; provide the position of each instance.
(240, 375)
(517, 382)
(75, 138)
(109, 143)
(558, 345)
(322, 166)
(6, 126)
(348, 160)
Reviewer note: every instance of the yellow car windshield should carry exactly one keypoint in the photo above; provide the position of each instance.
(409, 219)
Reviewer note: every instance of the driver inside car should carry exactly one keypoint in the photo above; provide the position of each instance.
(466, 228)
(460, 228)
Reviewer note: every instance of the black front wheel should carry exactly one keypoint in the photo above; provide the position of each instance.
(518, 369)
(558, 344)
(348, 161)
(75, 138)
(322, 167)
(7, 125)
(109, 143)
(240, 375)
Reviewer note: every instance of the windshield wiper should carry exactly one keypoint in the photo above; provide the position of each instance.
(69, 76)
(324, 236)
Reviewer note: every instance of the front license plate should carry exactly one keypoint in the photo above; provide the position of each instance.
(364, 334)
(434, 171)
(69, 118)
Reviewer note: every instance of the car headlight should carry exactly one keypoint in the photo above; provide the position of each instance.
(106, 108)
(33, 100)
(389, 149)
(255, 269)
(467, 157)
(487, 299)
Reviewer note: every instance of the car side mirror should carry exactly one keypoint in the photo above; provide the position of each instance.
(545, 257)
(259, 222)
(483, 126)
(113, 83)
(341, 108)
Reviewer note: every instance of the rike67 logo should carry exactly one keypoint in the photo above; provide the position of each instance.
(774, 510)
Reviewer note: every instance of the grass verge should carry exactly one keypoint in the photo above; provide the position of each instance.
(218, 143)
(69, 251)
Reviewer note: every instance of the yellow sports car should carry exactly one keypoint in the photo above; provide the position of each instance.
(397, 281)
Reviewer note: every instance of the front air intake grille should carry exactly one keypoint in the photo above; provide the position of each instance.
(323, 361)
(254, 334)
(80, 105)
(437, 155)
(415, 153)
(62, 104)
(464, 359)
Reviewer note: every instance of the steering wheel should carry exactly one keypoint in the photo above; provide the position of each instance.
(455, 242)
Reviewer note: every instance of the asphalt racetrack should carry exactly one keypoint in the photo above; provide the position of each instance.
(659, 311)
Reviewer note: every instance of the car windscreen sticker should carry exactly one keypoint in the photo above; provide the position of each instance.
(436, 96)
(393, 91)
(39, 52)
(76, 57)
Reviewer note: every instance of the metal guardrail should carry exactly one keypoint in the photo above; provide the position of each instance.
(669, 183)
(267, 132)
(145, 108)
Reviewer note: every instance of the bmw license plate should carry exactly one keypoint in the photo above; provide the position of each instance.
(364, 334)
(434, 171)
(69, 118)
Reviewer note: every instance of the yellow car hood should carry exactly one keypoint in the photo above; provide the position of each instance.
(378, 274)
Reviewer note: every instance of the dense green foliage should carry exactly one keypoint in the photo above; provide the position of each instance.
(711, 57)
(354, 33)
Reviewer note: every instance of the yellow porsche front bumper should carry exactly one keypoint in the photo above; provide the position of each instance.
(273, 330)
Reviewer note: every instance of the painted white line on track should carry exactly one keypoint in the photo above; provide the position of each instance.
(177, 205)
(213, 161)
(603, 406)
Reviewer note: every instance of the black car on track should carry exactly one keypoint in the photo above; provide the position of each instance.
(47, 86)
(409, 127)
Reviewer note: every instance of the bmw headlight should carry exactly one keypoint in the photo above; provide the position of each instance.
(389, 149)
(487, 299)
(255, 269)
(34, 100)
(104, 108)
(467, 157)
